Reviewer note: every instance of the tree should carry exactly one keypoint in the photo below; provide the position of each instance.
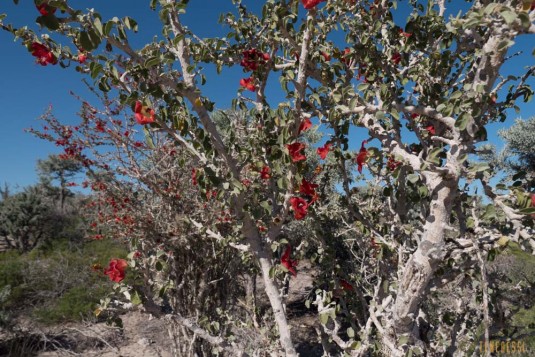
(520, 140)
(62, 170)
(24, 219)
(422, 92)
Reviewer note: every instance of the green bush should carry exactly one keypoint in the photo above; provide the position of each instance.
(56, 282)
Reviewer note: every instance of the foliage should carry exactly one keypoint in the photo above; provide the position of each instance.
(56, 283)
(520, 140)
(207, 199)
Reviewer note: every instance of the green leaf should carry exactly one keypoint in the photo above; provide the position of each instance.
(456, 94)
(152, 61)
(462, 121)
(148, 138)
(413, 178)
(50, 21)
(490, 212)
(324, 318)
(509, 16)
(529, 210)
(350, 332)
(98, 26)
(135, 298)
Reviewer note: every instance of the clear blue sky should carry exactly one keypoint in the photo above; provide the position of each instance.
(28, 89)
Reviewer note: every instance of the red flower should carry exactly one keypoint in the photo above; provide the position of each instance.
(345, 285)
(414, 115)
(82, 57)
(345, 55)
(324, 150)
(396, 58)
(326, 56)
(299, 207)
(430, 129)
(45, 9)
(248, 83)
(137, 254)
(307, 188)
(294, 150)
(310, 4)
(194, 177)
(533, 194)
(361, 157)
(287, 262)
(43, 54)
(265, 173)
(404, 34)
(98, 237)
(252, 58)
(144, 114)
(116, 270)
(305, 125)
(392, 164)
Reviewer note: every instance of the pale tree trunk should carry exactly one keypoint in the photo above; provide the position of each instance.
(270, 286)
(423, 263)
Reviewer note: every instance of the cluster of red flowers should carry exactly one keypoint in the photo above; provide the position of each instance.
(392, 164)
(362, 156)
(43, 54)
(288, 263)
(248, 83)
(116, 270)
(324, 150)
(310, 4)
(295, 151)
(299, 204)
(305, 125)
(252, 60)
(45, 9)
(396, 58)
(265, 173)
(144, 114)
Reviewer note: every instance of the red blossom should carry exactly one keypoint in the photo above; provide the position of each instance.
(43, 54)
(309, 189)
(326, 56)
(116, 270)
(305, 125)
(396, 58)
(404, 34)
(252, 58)
(248, 83)
(265, 173)
(82, 57)
(295, 151)
(299, 207)
(345, 285)
(431, 129)
(144, 114)
(98, 237)
(414, 115)
(324, 150)
(194, 177)
(392, 164)
(310, 4)
(288, 263)
(45, 9)
(137, 254)
(362, 156)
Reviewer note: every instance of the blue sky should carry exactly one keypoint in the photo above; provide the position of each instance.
(28, 89)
